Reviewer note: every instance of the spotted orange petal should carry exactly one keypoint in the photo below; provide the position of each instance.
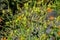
(49, 10)
(3, 38)
(51, 17)
(59, 33)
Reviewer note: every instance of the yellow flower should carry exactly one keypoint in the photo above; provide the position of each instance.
(19, 17)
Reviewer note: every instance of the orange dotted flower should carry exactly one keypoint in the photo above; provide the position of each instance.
(49, 9)
(51, 17)
(3, 38)
(59, 33)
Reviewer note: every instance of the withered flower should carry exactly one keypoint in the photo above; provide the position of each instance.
(1, 20)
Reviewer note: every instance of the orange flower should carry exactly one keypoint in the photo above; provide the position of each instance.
(51, 17)
(0, 19)
(49, 9)
(3, 38)
(59, 33)
(59, 26)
